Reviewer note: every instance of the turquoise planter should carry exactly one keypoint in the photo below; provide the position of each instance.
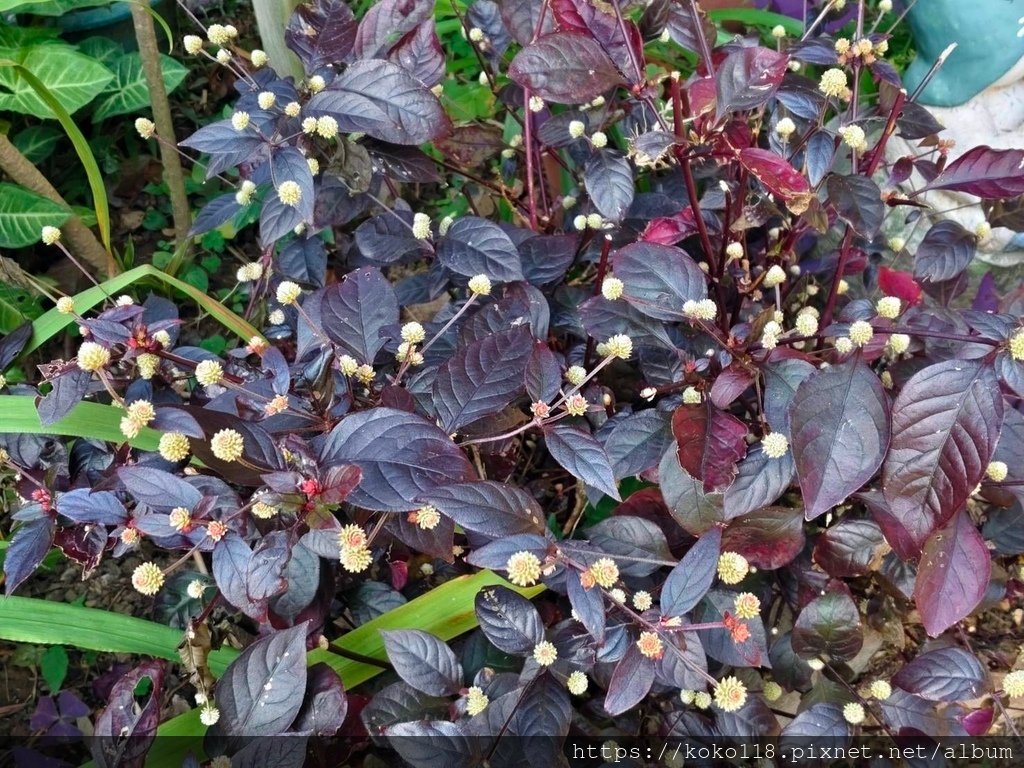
(113, 21)
(986, 31)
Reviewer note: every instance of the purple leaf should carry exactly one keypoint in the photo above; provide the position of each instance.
(775, 173)
(85, 506)
(126, 729)
(952, 575)
(543, 375)
(710, 442)
(631, 681)
(355, 311)
(858, 202)
(324, 709)
(13, 343)
(689, 581)
(821, 720)
(748, 78)
(985, 172)
(588, 604)
(321, 33)
(261, 691)
(490, 508)
(600, 22)
(759, 482)
(681, 27)
(384, 101)
(29, 545)
(840, 423)
(658, 279)
(68, 390)
(481, 378)
(265, 574)
(423, 661)
(509, 620)
(385, 22)
(945, 674)
(782, 378)
(608, 178)
(582, 456)
(640, 542)
(638, 441)
(475, 246)
(402, 457)
(231, 561)
(565, 67)
(850, 548)
(829, 626)
(944, 253)
(945, 423)
(603, 318)
(719, 643)
(419, 53)
(684, 496)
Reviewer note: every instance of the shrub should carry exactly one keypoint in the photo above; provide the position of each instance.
(688, 280)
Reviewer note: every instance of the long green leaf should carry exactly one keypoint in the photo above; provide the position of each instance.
(757, 17)
(94, 420)
(85, 155)
(53, 322)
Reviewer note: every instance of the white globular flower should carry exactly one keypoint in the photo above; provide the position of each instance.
(620, 346)
(218, 34)
(885, 6)
(480, 285)
(854, 713)
(896, 244)
(806, 324)
(888, 307)
(853, 137)
(642, 600)
(595, 221)
(880, 689)
(1015, 344)
(444, 225)
(244, 194)
(816, 664)
(288, 292)
(545, 653)
(843, 345)
(734, 250)
(174, 446)
(705, 309)
(413, 333)
(421, 226)
(193, 44)
(258, 58)
(770, 335)
(692, 396)
(65, 305)
(476, 701)
(576, 375)
(611, 288)
(314, 168)
(833, 82)
(599, 139)
(785, 128)
(92, 356)
(276, 317)
(266, 99)
(227, 445)
(209, 372)
(579, 223)
(997, 471)
(316, 84)
(776, 275)
(148, 578)
(861, 332)
(476, 34)
(293, 109)
(1013, 684)
(209, 715)
(898, 343)
(982, 230)
(577, 683)
(536, 104)
(778, 31)
(577, 128)
(327, 127)
(195, 589)
(248, 273)
(309, 125)
(50, 235)
(523, 569)
(347, 365)
(568, 202)
(224, 56)
(145, 127)
(775, 445)
(264, 511)
(289, 192)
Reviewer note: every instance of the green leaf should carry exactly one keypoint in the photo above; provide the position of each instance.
(54, 667)
(59, 7)
(16, 306)
(129, 92)
(13, 5)
(23, 215)
(73, 78)
(53, 322)
(103, 49)
(37, 142)
(757, 17)
(101, 422)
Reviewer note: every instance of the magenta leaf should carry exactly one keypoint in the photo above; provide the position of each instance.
(840, 424)
(952, 575)
(710, 442)
(769, 538)
(749, 77)
(945, 423)
(565, 67)
(985, 172)
(775, 172)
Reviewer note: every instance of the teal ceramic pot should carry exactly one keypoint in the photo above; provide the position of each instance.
(113, 21)
(986, 31)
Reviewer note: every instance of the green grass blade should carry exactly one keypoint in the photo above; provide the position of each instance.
(53, 322)
(85, 155)
(757, 18)
(94, 420)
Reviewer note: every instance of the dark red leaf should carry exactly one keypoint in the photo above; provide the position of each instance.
(985, 172)
(749, 77)
(775, 172)
(565, 67)
(952, 576)
(769, 538)
(710, 442)
(902, 285)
